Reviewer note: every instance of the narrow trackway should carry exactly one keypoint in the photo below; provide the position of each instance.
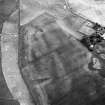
(11, 71)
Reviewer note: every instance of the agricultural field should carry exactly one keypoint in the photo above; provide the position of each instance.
(52, 52)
